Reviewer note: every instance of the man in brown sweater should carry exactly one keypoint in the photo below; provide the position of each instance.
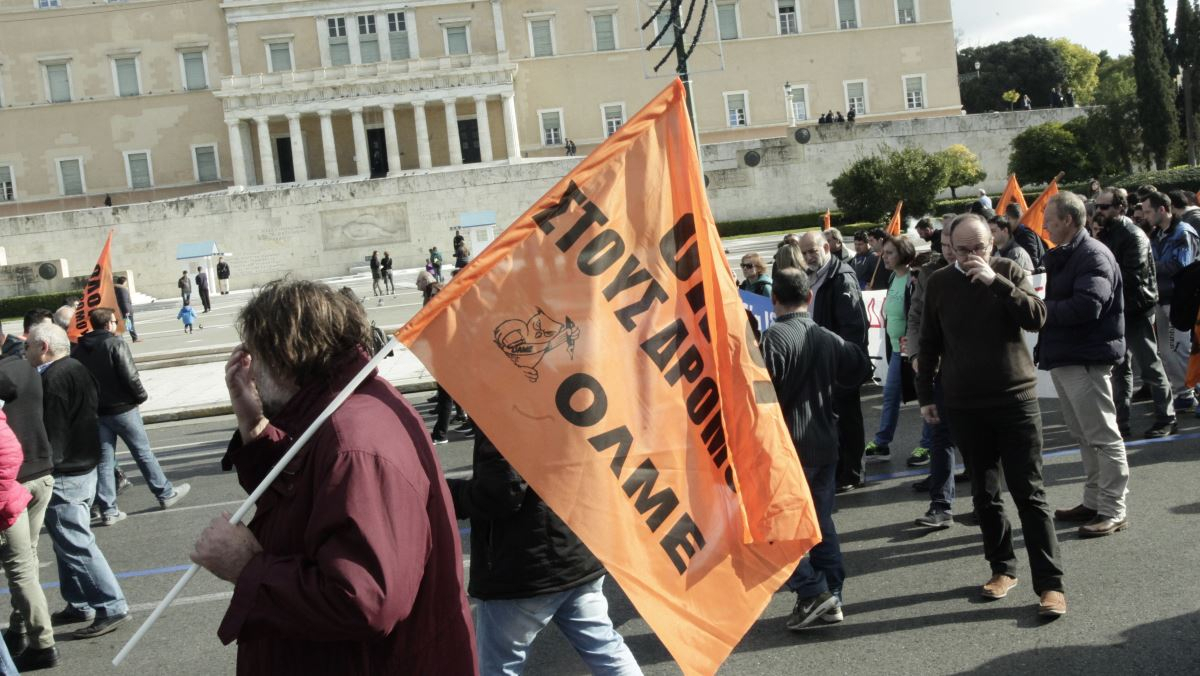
(975, 312)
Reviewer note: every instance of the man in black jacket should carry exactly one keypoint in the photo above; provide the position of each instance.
(121, 392)
(222, 276)
(185, 288)
(1083, 338)
(1023, 236)
(69, 401)
(837, 306)
(202, 287)
(125, 305)
(1131, 248)
(527, 569)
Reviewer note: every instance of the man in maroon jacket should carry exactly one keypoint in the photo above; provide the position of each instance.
(352, 563)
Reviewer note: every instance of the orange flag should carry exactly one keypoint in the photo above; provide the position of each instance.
(1035, 217)
(893, 227)
(1012, 193)
(826, 220)
(601, 344)
(98, 292)
(1193, 370)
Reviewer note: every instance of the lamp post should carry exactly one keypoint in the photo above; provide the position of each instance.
(977, 65)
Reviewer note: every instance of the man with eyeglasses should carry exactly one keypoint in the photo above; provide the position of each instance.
(1131, 247)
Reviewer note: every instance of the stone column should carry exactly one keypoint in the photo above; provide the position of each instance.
(452, 131)
(352, 38)
(510, 126)
(236, 158)
(423, 157)
(328, 149)
(390, 137)
(362, 162)
(299, 162)
(485, 129)
(498, 25)
(246, 128)
(266, 155)
(235, 50)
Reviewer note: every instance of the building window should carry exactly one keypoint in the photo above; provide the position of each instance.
(847, 14)
(58, 83)
(789, 23)
(906, 11)
(662, 21)
(856, 97)
(541, 37)
(279, 56)
(125, 73)
(604, 26)
(914, 92)
(737, 109)
(137, 169)
(205, 158)
(727, 21)
(799, 103)
(195, 75)
(368, 39)
(339, 44)
(614, 117)
(8, 189)
(398, 36)
(457, 41)
(70, 176)
(48, 4)
(552, 127)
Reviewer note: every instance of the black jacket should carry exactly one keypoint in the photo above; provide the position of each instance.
(24, 410)
(69, 411)
(111, 363)
(123, 302)
(1085, 318)
(519, 548)
(12, 347)
(838, 305)
(1032, 244)
(1131, 247)
(222, 270)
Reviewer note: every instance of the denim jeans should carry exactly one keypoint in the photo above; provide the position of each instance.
(941, 456)
(129, 326)
(893, 392)
(87, 583)
(7, 668)
(821, 571)
(128, 426)
(505, 628)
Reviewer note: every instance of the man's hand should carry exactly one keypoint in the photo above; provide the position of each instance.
(913, 361)
(930, 414)
(243, 394)
(978, 270)
(224, 549)
(904, 346)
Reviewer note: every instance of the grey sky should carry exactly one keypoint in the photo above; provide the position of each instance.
(1095, 24)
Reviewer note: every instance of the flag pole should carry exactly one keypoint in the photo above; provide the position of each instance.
(262, 488)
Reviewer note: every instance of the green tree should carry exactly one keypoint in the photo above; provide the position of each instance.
(962, 167)
(1030, 65)
(1185, 56)
(1155, 90)
(1040, 152)
(857, 189)
(1114, 128)
(915, 176)
(1081, 66)
(1010, 97)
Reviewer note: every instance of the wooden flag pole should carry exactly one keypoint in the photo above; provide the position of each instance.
(262, 488)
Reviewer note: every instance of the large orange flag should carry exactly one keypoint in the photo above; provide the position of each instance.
(893, 227)
(97, 292)
(1035, 216)
(1012, 193)
(601, 344)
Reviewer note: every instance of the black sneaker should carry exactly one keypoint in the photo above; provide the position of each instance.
(809, 609)
(1162, 429)
(919, 457)
(37, 658)
(102, 626)
(439, 439)
(467, 432)
(69, 615)
(877, 453)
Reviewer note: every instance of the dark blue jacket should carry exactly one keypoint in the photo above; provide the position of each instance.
(1085, 306)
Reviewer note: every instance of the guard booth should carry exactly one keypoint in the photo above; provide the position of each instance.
(202, 254)
(478, 228)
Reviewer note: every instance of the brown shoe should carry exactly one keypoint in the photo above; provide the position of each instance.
(1053, 604)
(998, 586)
(1078, 513)
(1101, 526)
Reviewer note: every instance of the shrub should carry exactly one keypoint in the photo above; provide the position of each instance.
(1041, 151)
(857, 190)
(962, 167)
(870, 188)
(1184, 178)
(17, 306)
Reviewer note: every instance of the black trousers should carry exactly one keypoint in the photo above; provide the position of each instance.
(1008, 439)
(851, 438)
(204, 298)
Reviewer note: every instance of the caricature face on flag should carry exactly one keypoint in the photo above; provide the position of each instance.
(601, 344)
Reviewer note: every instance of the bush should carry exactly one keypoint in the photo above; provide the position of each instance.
(870, 188)
(858, 192)
(797, 223)
(962, 167)
(1041, 151)
(17, 306)
(1184, 178)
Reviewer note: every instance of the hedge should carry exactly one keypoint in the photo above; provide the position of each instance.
(17, 306)
(1182, 178)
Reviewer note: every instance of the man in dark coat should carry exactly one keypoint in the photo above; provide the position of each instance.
(125, 305)
(532, 570)
(185, 288)
(222, 276)
(202, 287)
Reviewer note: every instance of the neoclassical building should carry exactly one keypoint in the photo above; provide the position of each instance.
(137, 100)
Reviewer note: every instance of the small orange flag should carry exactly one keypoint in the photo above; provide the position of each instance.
(601, 344)
(826, 220)
(1035, 216)
(893, 227)
(1012, 193)
(98, 292)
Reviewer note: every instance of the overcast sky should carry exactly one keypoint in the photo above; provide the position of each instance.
(1095, 24)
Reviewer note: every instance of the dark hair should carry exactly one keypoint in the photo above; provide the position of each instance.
(119, 279)
(904, 248)
(790, 286)
(926, 223)
(1120, 198)
(1180, 199)
(37, 316)
(877, 233)
(1002, 223)
(1144, 191)
(860, 236)
(1013, 210)
(100, 317)
(1158, 200)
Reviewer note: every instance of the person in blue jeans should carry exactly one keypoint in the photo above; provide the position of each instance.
(898, 255)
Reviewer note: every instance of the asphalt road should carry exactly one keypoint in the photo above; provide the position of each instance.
(911, 601)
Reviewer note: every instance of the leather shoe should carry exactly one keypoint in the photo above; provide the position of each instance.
(69, 615)
(1101, 526)
(37, 658)
(16, 642)
(1052, 604)
(998, 586)
(101, 626)
(1078, 513)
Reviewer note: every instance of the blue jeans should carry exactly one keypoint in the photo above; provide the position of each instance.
(893, 392)
(941, 456)
(87, 583)
(7, 668)
(128, 426)
(505, 628)
(129, 326)
(821, 571)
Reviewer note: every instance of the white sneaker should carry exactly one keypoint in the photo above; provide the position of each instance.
(181, 492)
(833, 615)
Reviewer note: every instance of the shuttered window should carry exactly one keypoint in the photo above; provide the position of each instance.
(206, 164)
(59, 81)
(193, 71)
(543, 40)
(606, 36)
(339, 44)
(72, 177)
(127, 79)
(281, 56)
(456, 41)
(727, 21)
(368, 39)
(398, 36)
(847, 14)
(139, 170)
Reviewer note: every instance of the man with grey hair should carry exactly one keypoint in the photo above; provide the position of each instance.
(837, 247)
(63, 315)
(1081, 342)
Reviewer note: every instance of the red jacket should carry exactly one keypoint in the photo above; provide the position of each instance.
(13, 496)
(362, 568)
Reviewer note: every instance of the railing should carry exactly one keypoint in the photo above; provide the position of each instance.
(357, 72)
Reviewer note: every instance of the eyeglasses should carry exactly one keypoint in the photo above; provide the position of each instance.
(747, 266)
(963, 251)
(1104, 206)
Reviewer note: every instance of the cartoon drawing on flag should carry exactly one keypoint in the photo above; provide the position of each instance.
(526, 343)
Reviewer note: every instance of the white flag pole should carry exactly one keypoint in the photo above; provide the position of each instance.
(262, 488)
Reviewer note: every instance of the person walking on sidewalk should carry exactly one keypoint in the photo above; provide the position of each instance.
(376, 274)
(188, 316)
(385, 266)
(222, 276)
(202, 287)
(109, 360)
(125, 305)
(185, 288)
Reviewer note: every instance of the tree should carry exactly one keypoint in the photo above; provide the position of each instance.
(1155, 90)
(1185, 57)
(856, 190)
(869, 189)
(962, 168)
(1114, 129)
(1030, 65)
(1040, 152)
(1011, 97)
(1081, 66)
